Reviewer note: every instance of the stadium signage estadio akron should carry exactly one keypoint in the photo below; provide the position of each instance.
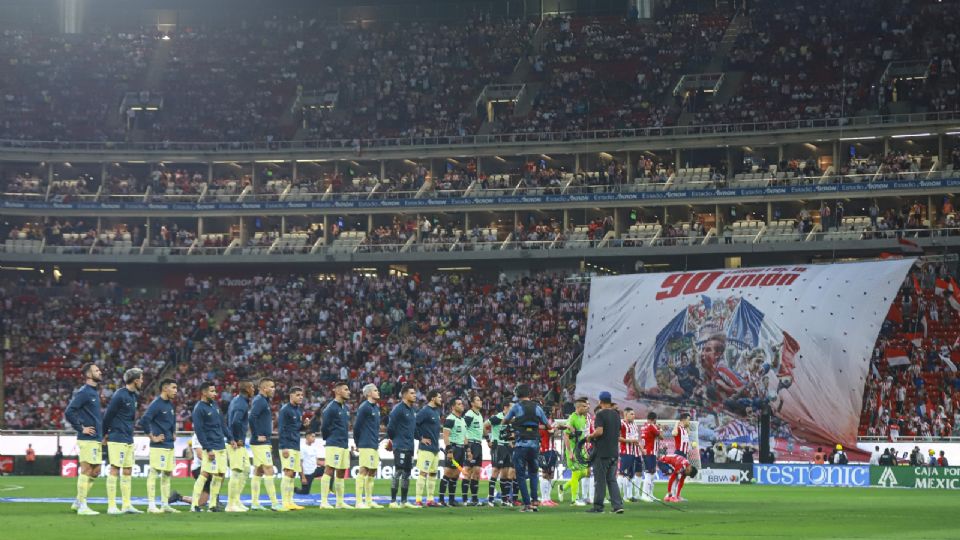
(916, 477)
(723, 344)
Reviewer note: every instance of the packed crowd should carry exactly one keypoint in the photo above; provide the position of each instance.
(913, 389)
(443, 331)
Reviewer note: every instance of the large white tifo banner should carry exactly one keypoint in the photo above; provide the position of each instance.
(722, 344)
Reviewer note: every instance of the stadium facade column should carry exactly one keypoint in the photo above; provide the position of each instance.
(566, 220)
(209, 173)
(516, 219)
(416, 229)
(779, 155)
(941, 155)
(730, 168)
(618, 221)
(369, 224)
(931, 211)
(886, 145)
(576, 163)
(836, 157)
(718, 221)
(253, 177)
(480, 167)
(326, 229)
(678, 159)
(200, 227)
(769, 211)
(103, 173)
(244, 230)
(629, 170)
(50, 173)
(293, 171)
(146, 230)
(383, 169)
(283, 226)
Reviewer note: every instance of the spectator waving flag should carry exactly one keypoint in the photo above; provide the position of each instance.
(940, 286)
(897, 356)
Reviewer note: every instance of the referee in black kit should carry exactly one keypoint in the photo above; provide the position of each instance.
(606, 450)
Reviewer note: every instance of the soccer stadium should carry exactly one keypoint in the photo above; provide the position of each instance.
(501, 268)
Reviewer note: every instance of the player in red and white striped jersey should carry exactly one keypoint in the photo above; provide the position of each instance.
(629, 454)
(649, 434)
(681, 435)
(682, 469)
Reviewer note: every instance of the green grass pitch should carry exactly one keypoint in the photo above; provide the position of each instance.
(712, 512)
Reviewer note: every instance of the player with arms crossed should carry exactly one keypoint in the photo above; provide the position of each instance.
(629, 454)
(471, 482)
(83, 414)
(160, 424)
(681, 435)
(366, 433)
(261, 429)
(238, 418)
(118, 422)
(681, 470)
(335, 427)
(400, 432)
(502, 453)
(208, 425)
(454, 443)
(427, 431)
(290, 421)
(649, 434)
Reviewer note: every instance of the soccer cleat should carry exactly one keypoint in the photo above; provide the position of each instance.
(669, 498)
(196, 509)
(527, 509)
(75, 505)
(580, 503)
(86, 511)
(431, 504)
(167, 509)
(454, 503)
(375, 505)
(343, 506)
(362, 506)
(618, 511)
(419, 504)
(232, 509)
(490, 504)
(550, 504)
(394, 505)
(215, 508)
(258, 508)
(114, 511)
(281, 509)
(154, 510)
(471, 503)
(410, 505)
(633, 499)
(441, 504)
(132, 510)
(325, 506)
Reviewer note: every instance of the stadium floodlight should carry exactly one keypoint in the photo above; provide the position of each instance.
(905, 135)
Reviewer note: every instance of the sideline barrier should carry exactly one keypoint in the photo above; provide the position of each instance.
(916, 477)
(812, 475)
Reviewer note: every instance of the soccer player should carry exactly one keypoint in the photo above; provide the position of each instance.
(290, 421)
(160, 424)
(575, 432)
(400, 431)
(118, 423)
(681, 435)
(427, 431)
(526, 417)
(471, 481)
(310, 458)
(238, 416)
(454, 442)
(548, 461)
(502, 453)
(261, 429)
(208, 425)
(649, 434)
(335, 426)
(83, 414)
(629, 452)
(681, 469)
(366, 434)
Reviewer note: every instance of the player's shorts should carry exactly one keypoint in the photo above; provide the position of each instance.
(476, 454)
(649, 463)
(369, 458)
(262, 455)
(459, 455)
(427, 461)
(162, 459)
(547, 461)
(403, 460)
(292, 461)
(120, 454)
(628, 465)
(238, 459)
(90, 452)
(503, 456)
(217, 465)
(336, 458)
(680, 453)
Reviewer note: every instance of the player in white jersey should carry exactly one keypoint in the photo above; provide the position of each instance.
(629, 455)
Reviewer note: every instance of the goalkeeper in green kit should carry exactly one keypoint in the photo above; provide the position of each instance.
(575, 432)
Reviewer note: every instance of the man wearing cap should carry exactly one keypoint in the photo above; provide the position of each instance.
(735, 455)
(839, 457)
(606, 447)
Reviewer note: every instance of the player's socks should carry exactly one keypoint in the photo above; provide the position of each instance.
(394, 487)
(197, 490)
(152, 488)
(112, 491)
(255, 490)
(83, 485)
(431, 483)
(215, 484)
(421, 484)
(164, 489)
(271, 490)
(338, 489)
(360, 485)
(126, 486)
(508, 491)
(464, 489)
(285, 499)
(474, 490)
(324, 491)
(232, 495)
(404, 489)
(368, 488)
(443, 487)
(492, 489)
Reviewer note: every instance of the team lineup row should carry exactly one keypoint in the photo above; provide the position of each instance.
(516, 435)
